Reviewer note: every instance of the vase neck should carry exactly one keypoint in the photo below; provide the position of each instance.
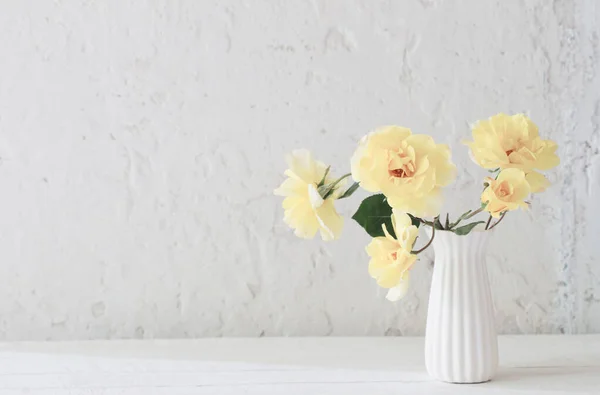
(448, 245)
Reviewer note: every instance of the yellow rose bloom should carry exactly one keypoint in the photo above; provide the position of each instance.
(537, 181)
(512, 141)
(409, 169)
(305, 210)
(505, 193)
(391, 258)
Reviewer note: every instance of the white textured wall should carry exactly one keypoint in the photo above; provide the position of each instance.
(140, 142)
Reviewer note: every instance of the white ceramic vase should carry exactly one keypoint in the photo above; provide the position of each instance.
(461, 345)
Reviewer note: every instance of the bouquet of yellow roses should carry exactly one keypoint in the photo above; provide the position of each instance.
(406, 173)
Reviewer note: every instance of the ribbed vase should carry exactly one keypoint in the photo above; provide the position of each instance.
(460, 342)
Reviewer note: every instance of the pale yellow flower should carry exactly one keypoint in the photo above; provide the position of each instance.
(505, 193)
(305, 210)
(537, 181)
(409, 169)
(391, 258)
(512, 141)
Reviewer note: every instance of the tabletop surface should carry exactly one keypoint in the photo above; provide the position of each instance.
(387, 365)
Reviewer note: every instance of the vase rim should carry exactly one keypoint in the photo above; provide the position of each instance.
(449, 233)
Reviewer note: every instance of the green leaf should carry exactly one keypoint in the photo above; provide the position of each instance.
(350, 191)
(320, 184)
(326, 190)
(438, 225)
(447, 225)
(466, 229)
(372, 213)
(416, 221)
(494, 170)
(463, 216)
(425, 221)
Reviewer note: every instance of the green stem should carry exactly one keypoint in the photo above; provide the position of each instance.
(487, 225)
(500, 220)
(320, 184)
(326, 190)
(480, 209)
(428, 244)
(466, 216)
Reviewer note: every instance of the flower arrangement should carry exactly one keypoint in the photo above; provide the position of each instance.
(406, 173)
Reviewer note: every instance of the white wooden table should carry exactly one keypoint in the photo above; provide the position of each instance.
(529, 365)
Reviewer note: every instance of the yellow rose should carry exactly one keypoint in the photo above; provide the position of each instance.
(505, 193)
(512, 141)
(391, 258)
(537, 181)
(409, 169)
(305, 210)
